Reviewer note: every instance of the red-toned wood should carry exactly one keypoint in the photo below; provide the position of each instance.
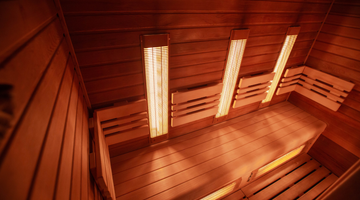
(199, 161)
(75, 190)
(122, 111)
(113, 83)
(332, 156)
(39, 110)
(239, 34)
(44, 184)
(50, 39)
(256, 116)
(198, 36)
(198, 145)
(155, 40)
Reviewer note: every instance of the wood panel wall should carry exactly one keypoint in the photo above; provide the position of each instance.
(106, 39)
(44, 153)
(337, 52)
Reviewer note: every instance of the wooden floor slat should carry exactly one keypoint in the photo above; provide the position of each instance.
(299, 188)
(274, 175)
(283, 183)
(319, 188)
(195, 164)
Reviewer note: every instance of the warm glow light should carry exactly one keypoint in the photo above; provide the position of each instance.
(156, 70)
(280, 65)
(279, 161)
(220, 193)
(231, 73)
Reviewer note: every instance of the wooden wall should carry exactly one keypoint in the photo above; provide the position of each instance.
(106, 39)
(44, 153)
(105, 35)
(337, 52)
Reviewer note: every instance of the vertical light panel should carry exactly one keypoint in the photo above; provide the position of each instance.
(221, 192)
(279, 161)
(282, 60)
(156, 73)
(235, 55)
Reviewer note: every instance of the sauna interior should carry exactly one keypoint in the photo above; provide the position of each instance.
(179, 99)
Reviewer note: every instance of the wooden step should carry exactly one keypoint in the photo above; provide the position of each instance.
(284, 182)
(276, 174)
(301, 177)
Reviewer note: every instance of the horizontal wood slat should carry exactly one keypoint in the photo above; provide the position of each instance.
(176, 121)
(286, 89)
(121, 111)
(288, 83)
(321, 85)
(124, 123)
(249, 100)
(254, 80)
(195, 108)
(188, 95)
(293, 71)
(337, 83)
(123, 127)
(287, 79)
(318, 98)
(256, 87)
(319, 90)
(252, 89)
(194, 104)
(252, 93)
(131, 134)
(124, 120)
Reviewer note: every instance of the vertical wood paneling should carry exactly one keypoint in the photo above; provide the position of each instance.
(44, 182)
(76, 162)
(35, 149)
(25, 145)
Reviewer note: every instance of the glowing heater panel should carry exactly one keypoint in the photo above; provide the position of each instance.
(156, 72)
(220, 193)
(280, 65)
(279, 161)
(233, 63)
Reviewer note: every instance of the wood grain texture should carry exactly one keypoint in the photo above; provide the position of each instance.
(199, 38)
(334, 157)
(174, 165)
(335, 132)
(339, 35)
(39, 147)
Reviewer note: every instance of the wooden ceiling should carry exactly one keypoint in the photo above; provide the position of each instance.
(105, 35)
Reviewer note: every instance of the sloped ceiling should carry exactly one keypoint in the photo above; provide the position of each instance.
(105, 35)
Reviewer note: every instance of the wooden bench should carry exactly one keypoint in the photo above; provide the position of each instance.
(325, 89)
